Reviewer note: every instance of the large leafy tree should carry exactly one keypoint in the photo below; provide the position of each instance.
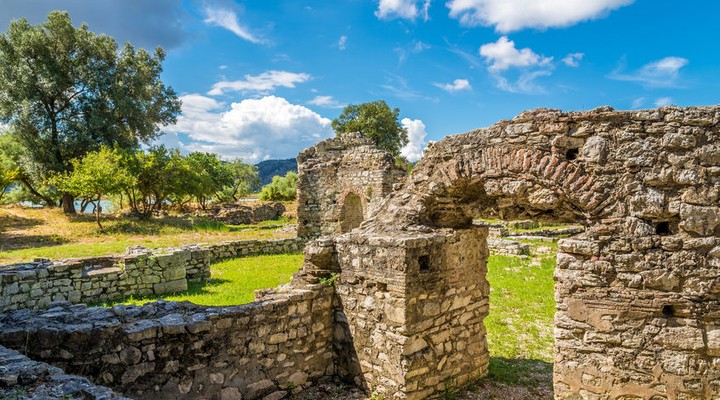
(245, 178)
(374, 120)
(65, 91)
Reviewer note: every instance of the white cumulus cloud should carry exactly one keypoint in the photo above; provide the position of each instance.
(413, 151)
(252, 129)
(573, 59)
(661, 73)
(513, 15)
(226, 18)
(502, 54)
(456, 86)
(263, 83)
(405, 9)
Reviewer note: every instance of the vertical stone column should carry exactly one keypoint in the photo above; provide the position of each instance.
(411, 310)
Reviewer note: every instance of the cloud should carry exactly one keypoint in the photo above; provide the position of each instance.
(573, 59)
(661, 73)
(413, 151)
(513, 15)
(342, 42)
(415, 47)
(263, 83)
(502, 55)
(663, 101)
(456, 86)
(326, 101)
(226, 18)
(405, 9)
(143, 23)
(252, 129)
(525, 83)
(637, 103)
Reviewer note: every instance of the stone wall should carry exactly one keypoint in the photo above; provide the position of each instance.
(22, 378)
(637, 293)
(333, 176)
(181, 351)
(139, 272)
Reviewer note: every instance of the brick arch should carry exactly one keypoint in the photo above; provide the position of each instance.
(580, 196)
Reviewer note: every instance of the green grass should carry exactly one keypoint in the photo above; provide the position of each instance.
(520, 322)
(233, 282)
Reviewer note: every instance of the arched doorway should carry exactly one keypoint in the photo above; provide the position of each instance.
(351, 213)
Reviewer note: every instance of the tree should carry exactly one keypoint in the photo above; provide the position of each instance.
(281, 188)
(95, 176)
(160, 174)
(208, 176)
(16, 169)
(244, 179)
(376, 121)
(65, 91)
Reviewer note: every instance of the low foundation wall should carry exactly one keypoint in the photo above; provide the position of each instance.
(139, 272)
(169, 350)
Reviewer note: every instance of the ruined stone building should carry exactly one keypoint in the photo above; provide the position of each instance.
(638, 293)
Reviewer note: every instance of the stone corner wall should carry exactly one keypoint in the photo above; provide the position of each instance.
(341, 181)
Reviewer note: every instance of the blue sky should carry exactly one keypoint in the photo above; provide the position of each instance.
(262, 79)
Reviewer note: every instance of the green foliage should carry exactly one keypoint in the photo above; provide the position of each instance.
(206, 177)
(374, 120)
(281, 188)
(160, 174)
(244, 180)
(330, 279)
(65, 91)
(95, 176)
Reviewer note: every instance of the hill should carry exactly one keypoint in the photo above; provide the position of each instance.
(269, 168)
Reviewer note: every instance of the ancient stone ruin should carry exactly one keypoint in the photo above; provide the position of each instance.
(392, 294)
(637, 293)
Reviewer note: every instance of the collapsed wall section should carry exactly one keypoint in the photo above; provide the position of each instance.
(182, 351)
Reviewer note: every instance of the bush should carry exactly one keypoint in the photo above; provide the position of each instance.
(281, 188)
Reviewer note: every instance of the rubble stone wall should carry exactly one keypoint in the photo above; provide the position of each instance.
(338, 169)
(139, 272)
(22, 378)
(181, 351)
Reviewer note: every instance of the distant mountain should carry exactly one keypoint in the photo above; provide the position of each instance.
(269, 168)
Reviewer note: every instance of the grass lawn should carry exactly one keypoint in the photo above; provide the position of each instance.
(27, 233)
(520, 322)
(234, 281)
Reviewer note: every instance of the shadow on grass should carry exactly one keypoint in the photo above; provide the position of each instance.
(9, 221)
(194, 288)
(514, 379)
(21, 242)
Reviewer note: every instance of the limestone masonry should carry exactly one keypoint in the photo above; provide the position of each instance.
(392, 294)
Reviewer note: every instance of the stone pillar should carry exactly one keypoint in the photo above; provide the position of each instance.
(411, 310)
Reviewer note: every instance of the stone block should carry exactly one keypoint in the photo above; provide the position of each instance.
(179, 285)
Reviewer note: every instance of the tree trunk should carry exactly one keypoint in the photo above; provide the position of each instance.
(68, 203)
(48, 201)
